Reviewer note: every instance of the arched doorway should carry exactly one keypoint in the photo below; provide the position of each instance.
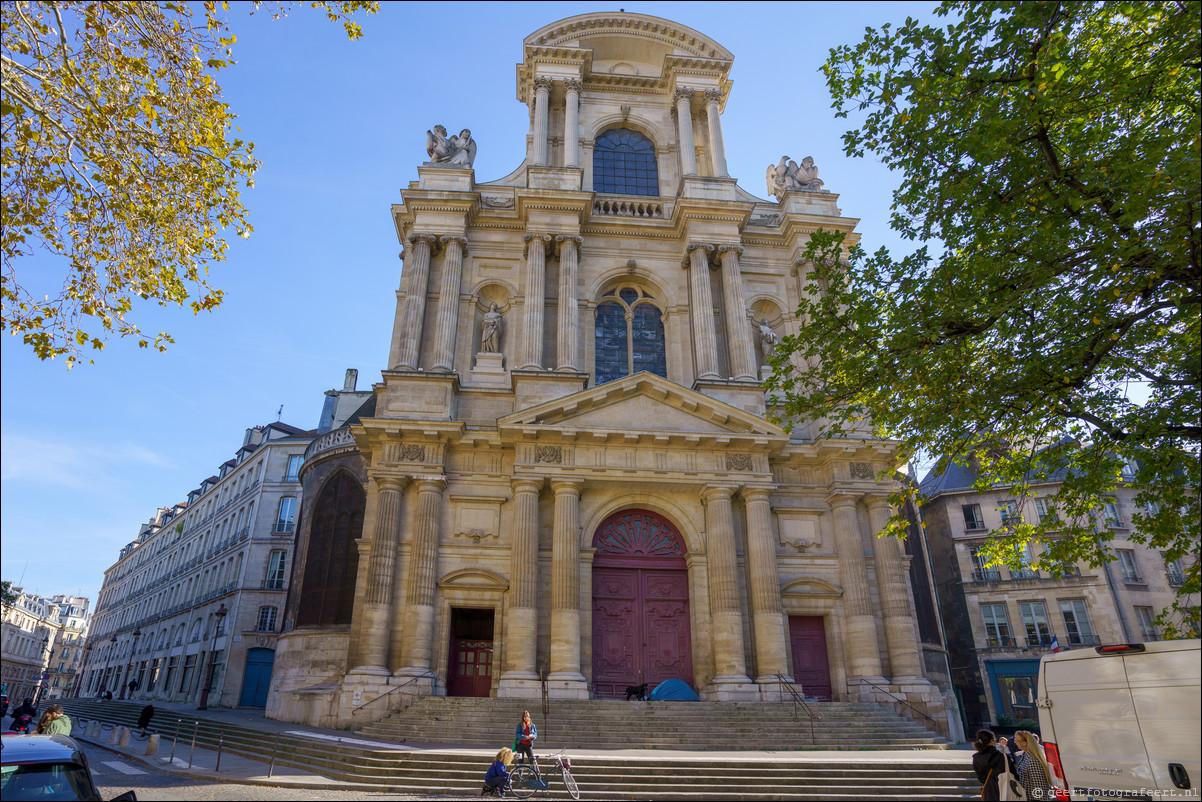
(640, 604)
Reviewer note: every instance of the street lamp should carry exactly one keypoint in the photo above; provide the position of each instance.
(83, 666)
(204, 693)
(112, 652)
(128, 674)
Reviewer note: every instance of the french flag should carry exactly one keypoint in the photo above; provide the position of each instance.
(1055, 644)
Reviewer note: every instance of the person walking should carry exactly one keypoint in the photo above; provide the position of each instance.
(54, 722)
(1033, 772)
(523, 737)
(144, 718)
(498, 773)
(989, 762)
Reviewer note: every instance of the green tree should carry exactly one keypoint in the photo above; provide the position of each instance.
(7, 597)
(121, 164)
(1049, 323)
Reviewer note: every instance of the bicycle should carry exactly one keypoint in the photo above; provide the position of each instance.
(526, 779)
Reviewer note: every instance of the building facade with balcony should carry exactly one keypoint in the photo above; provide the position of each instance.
(999, 621)
(35, 639)
(201, 588)
(566, 481)
(62, 667)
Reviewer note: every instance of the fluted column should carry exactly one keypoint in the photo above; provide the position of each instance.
(705, 339)
(536, 277)
(713, 99)
(521, 618)
(767, 613)
(892, 585)
(684, 121)
(565, 583)
(419, 584)
(738, 333)
(569, 313)
(571, 123)
(542, 92)
(864, 656)
(447, 324)
(378, 607)
(418, 267)
(730, 665)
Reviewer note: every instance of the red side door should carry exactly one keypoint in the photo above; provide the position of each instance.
(811, 668)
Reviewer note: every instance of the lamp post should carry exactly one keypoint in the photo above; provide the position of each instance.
(112, 653)
(204, 693)
(83, 667)
(128, 674)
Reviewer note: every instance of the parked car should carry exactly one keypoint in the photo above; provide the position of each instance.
(50, 767)
(1123, 720)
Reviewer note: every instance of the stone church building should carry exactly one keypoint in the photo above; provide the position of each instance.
(566, 475)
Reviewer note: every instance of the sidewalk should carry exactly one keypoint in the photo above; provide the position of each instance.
(238, 769)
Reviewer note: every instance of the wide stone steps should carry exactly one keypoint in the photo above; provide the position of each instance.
(656, 725)
(645, 777)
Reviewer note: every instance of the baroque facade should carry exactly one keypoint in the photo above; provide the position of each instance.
(198, 594)
(566, 477)
(999, 621)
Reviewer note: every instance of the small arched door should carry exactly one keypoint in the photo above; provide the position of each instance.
(256, 680)
(641, 629)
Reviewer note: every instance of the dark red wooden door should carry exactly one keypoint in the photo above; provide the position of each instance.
(641, 629)
(811, 669)
(471, 665)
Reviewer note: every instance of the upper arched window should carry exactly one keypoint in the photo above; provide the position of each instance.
(624, 163)
(629, 336)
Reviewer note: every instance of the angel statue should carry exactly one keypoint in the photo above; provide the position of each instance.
(787, 176)
(458, 150)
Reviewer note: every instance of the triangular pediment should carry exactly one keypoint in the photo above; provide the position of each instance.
(643, 403)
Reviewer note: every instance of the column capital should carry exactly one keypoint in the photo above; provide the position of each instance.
(430, 484)
(713, 97)
(842, 499)
(682, 93)
(571, 85)
(528, 485)
(545, 239)
(449, 238)
(733, 248)
(415, 237)
(718, 493)
(687, 262)
(567, 486)
(394, 483)
(543, 84)
(876, 501)
(564, 239)
(752, 493)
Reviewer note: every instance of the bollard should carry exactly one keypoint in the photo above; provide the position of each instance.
(152, 744)
(121, 736)
(94, 728)
(192, 751)
(175, 740)
(220, 743)
(275, 747)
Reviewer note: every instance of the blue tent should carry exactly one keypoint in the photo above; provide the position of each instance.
(673, 690)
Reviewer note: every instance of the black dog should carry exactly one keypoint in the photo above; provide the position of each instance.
(639, 692)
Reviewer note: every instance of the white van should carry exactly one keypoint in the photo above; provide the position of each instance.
(1124, 721)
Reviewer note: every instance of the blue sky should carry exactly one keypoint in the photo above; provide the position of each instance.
(88, 455)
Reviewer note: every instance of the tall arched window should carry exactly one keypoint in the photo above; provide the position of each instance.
(624, 163)
(327, 594)
(629, 336)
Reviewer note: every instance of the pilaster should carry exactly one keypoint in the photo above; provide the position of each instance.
(730, 679)
(565, 592)
(864, 656)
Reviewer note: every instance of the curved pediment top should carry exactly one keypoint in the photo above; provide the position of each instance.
(644, 402)
(607, 32)
(474, 578)
(809, 585)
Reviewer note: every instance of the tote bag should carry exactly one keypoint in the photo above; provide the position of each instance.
(1009, 788)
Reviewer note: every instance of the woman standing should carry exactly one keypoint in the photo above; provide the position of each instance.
(1033, 771)
(988, 762)
(524, 734)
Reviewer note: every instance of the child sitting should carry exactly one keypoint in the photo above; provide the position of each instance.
(497, 778)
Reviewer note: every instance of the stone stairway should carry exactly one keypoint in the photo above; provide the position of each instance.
(647, 776)
(693, 726)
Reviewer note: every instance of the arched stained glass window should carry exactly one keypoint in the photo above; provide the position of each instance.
(624, 163)
(629, 336)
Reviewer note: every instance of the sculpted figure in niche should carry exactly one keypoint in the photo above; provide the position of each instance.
(458, 150)
(768, 338)
(788, 175)
(490, 331)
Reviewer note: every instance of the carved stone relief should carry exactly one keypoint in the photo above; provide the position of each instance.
(739, 462)
(548, 454)
(861, 470)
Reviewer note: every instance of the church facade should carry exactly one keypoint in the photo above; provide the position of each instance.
(567, 476)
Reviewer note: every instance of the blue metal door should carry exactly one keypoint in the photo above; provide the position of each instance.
(256, 680)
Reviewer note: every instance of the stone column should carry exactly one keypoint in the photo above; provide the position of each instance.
(713, 99)
(418, 267)
(571, 123)
(565, 583)
(378, 608)
(730, 665)
(419, 585)
(766, 610)
(891, 577)
(532, 311)
(738, 333)
(446, 326)
(521, 617)
(569, 314)
(684, 121)
(705, 339)
(542, 91)
(864, 656)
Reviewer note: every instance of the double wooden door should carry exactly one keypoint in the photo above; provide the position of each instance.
(640, 628)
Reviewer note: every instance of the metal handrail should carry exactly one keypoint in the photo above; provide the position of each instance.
(363, 706)
(903, 701)
(798, 699)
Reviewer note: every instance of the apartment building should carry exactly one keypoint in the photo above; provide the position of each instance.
(41, 638)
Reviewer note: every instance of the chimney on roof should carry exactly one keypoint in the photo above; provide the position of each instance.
(352, 378)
